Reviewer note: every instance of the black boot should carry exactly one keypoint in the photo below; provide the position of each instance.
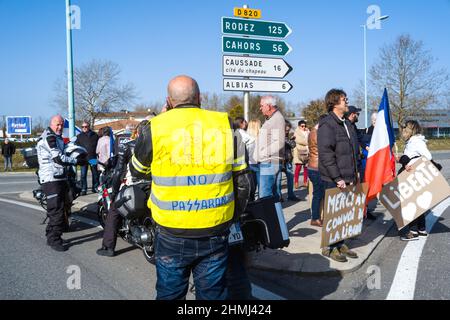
(57, 246)
(106, 252)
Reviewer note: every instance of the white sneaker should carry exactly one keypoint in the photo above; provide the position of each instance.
(423, 234)
(410, 236)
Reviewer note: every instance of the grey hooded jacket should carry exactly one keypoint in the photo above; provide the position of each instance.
(51, 157)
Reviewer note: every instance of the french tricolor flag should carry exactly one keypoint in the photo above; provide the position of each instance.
(66, 134)
(380, 168)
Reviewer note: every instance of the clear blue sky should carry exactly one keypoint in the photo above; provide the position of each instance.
(153, 41)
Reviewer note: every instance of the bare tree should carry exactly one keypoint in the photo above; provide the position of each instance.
(446, 98)
(212, 101)
(40, 124)
(292, 108)
(405, 68)
(97, 90)
(373, 98)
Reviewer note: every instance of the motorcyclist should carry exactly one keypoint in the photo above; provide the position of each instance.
(120, 172)
(53, 178)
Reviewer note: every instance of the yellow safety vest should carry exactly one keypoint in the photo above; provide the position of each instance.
(193, 161)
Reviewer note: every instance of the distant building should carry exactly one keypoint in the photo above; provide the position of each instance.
(119, 121)
(435, 123)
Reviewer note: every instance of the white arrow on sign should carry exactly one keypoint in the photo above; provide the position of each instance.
(238, 66)
(256, 85)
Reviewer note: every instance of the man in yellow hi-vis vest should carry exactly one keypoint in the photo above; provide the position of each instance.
(200, 185)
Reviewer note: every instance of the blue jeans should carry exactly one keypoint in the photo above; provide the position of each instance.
(318, 193)
(8, 163)
(289, 170)
(238, 282)
(84, 171)
(176, 258)
(269, 180)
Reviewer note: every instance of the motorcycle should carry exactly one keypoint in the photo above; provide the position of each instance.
(138, 227)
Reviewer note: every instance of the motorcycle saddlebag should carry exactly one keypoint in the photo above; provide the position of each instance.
(131, 202)
(31, 158)
(263, 223)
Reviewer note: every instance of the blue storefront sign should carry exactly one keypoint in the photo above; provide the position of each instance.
(18, 125)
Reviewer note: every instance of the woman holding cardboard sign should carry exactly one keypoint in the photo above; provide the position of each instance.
(415, 149)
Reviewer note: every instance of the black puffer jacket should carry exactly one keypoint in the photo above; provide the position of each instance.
(336, 155)
(89, 141)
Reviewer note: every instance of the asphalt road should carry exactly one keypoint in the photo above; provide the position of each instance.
(31, 270)
(17, 182)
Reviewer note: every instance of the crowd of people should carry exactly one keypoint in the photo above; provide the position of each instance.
(100, 147)
(195, 200)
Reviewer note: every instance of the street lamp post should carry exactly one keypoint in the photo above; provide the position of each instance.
(365, 67)
(246, 93)
(365, 75)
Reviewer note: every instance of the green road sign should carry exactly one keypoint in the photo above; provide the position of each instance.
(255, 46)
(258, 28)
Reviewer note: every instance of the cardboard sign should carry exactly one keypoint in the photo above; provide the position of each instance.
(343, 213)
(413, 193)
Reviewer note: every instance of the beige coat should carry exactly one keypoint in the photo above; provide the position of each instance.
(271, 140)
(301, 151)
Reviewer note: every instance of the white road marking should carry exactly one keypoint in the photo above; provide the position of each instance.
(38, 208)
(23, 204)
(11, 192)
(404, 284)
(257, 292)
(18, 182)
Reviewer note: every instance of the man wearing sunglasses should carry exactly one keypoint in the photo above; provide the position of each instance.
(337, 162)
(88, 139)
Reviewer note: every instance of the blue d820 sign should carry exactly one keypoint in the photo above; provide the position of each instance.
(18, 125)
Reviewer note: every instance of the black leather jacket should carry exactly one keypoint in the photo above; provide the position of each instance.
(124, 154)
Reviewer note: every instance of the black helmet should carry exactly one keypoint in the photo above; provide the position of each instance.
(75, 151)
(131, 202)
